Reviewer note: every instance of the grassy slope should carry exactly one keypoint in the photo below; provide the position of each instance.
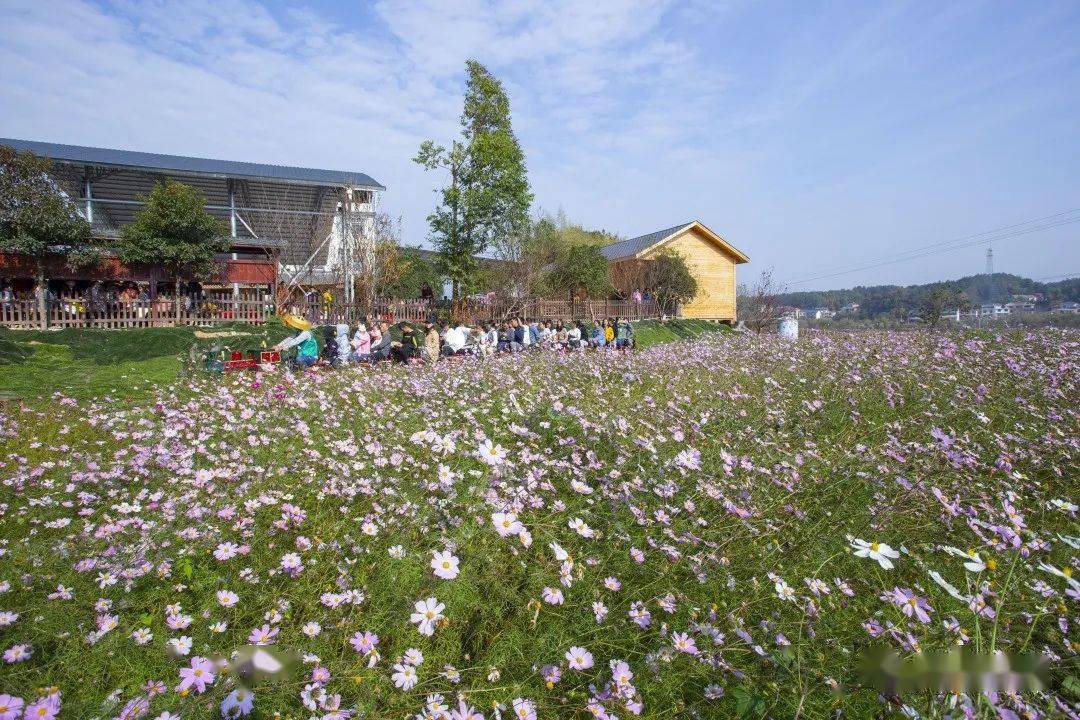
(129, 364)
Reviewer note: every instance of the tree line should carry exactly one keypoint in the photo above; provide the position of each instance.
(900, 301)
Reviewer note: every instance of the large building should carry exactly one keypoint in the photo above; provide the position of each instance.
(287, 225)
(710, 258)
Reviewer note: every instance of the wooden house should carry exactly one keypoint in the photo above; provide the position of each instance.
(711, 260)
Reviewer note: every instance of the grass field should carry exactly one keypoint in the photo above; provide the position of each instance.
(718, 527)
(129, 364)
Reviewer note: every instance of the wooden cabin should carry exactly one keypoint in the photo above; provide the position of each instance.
(710, 258)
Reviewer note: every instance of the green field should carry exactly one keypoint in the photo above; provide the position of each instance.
(719, 527)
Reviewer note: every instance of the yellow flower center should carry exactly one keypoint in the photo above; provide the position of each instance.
(875, 546)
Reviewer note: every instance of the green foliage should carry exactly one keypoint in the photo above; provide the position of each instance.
(35, 216)
(488, 195)
(648, 333)
(581, 268)
(669, 279)
(416, 271)
(174, 230)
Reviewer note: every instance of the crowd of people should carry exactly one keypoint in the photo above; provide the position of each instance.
(427, 342)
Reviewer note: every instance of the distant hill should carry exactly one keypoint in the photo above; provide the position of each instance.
(898, 300)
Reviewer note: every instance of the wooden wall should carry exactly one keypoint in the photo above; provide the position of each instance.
(714, 270)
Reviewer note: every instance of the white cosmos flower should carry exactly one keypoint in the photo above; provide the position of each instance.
(974, 562)
(875, 551)
(428, 614)
(560, 554)
(1065, 573)
(948, 587)
(445, 565)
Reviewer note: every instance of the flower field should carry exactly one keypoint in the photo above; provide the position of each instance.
(705, 529)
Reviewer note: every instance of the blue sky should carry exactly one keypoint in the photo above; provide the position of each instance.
(812, 136)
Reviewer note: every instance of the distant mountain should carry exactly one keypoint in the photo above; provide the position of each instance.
(898, 300)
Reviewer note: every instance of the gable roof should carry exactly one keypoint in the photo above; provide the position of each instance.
(635, 246)
(105, 157)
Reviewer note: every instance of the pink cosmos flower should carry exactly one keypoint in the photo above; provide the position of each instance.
(265, 635)
(684, 643)
(552, 596)
(198, 676)
(506, 524)
(579, 658)
(18, 653)
(364, 642)
(10, 707)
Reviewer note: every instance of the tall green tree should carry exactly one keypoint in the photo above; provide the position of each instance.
(487, 195)
(174, 231)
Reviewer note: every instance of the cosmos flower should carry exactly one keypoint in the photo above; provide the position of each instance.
(684, 643)
(875, 551)
(199, 675)
(506, 523)
(238, 703)
(445, 565)
(404, 676)
(579, 658)
(428, 614)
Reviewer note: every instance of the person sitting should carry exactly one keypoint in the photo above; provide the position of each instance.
(624, 334)
(521, 335)
(408, 348)
(381, 343)
(562, 335)
(361, 343)
(343, 354)
(485, 340)
(506, 339)
(307, 352)
(573, 337)
(453, 341)
(431, 342)
(599, 337)
(543, 333)
(468, 347)
(329, 344)
(609, 332)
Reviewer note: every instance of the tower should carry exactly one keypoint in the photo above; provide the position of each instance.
(991, 294)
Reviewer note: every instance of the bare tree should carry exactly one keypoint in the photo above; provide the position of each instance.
(376, 262)
(522, 263)
(759, 306)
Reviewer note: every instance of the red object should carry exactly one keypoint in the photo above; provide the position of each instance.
(270, 356)
(236, 355)
(244, 364)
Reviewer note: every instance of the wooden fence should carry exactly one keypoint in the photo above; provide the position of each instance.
(81, 312)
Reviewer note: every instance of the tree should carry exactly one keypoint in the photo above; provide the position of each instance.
(488, 195)
(669, 280)
(174, 231)
(937, 301)
(377, 262)
(581, 268)
(414, 272)
(522, 264)
(760, 307)
(37, 217)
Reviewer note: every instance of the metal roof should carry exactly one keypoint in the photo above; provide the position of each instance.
(104, 157)
(631, 247)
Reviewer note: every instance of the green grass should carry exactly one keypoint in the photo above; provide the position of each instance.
(654, 332)
(129, 364)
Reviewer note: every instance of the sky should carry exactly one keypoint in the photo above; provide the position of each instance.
(817, 137)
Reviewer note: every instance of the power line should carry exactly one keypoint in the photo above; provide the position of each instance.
(946, 246)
